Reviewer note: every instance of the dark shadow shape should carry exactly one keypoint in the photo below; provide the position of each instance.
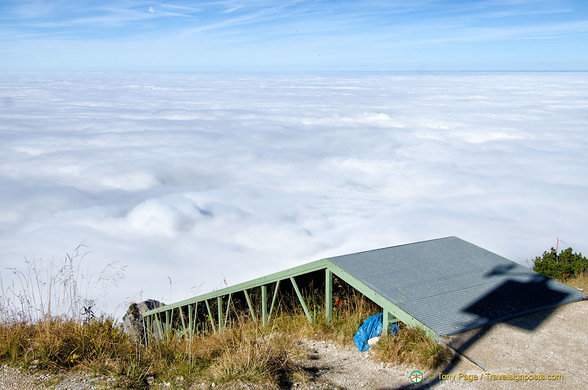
(512, 298)
(500, 270)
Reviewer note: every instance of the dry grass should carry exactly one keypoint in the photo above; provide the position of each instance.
(244, 352)
(347, 317)
(34, 336)
(579, 281)
(42, 290)
(98, 345)
(412, 346)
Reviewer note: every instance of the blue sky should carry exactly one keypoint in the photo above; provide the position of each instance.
(262, 35)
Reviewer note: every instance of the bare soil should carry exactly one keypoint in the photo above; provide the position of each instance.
(552, 342)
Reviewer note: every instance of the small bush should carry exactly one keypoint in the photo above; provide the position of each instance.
(564, 265)
(251, 354)
(412, 346)
(62, 343)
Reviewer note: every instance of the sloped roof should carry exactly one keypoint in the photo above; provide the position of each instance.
(452, 286)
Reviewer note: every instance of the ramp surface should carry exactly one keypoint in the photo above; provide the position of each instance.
(452, 286)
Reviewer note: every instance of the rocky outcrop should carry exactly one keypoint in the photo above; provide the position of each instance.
(133, 319)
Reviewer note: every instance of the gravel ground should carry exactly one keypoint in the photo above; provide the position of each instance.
(553, 342)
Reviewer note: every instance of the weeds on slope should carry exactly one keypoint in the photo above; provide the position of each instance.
(412, 346)
(245, 352)
(45, 326)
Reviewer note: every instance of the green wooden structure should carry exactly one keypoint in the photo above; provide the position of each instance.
(444, 286)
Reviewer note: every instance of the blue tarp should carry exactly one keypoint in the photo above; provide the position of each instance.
(371, 327)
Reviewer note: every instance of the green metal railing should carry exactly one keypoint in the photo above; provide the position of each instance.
(160, 320)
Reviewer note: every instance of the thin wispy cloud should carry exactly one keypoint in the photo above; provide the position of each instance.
(190, 33)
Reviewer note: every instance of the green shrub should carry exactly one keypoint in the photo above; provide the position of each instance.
(564, 265)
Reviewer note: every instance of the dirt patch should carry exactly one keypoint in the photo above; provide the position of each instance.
(551, 342)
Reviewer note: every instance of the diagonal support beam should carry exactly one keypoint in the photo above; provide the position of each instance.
(158, 324)
(301, 299)
(210, 316)
(181, 309)
(273, 300)
(394, 310)
(249, 304)
(227, 313)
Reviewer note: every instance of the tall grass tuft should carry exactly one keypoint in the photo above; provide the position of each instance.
(47, 289)
(412, 346)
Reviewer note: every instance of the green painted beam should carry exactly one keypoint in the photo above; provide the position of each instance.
(249, 304)
(264, 304)
(227, 313)
(158, 323)
(210, 316)
(219, 307)
(300, 270)
(326, 265)
(385, 322)
(328, 296)
(167, 324)
(182, 318)
(273, 300)
(301, 299)
(190, 327)
(380, 300)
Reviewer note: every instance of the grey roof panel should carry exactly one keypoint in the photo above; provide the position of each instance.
(451, 285)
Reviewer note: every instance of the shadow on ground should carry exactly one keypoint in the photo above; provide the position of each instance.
(513, 298)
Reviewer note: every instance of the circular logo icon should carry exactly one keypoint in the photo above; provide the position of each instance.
(416, 376)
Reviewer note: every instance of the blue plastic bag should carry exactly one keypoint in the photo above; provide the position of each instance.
(371, 327)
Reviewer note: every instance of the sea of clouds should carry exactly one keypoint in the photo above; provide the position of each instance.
(192, 182)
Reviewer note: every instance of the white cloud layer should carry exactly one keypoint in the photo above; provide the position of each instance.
(206, 179)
